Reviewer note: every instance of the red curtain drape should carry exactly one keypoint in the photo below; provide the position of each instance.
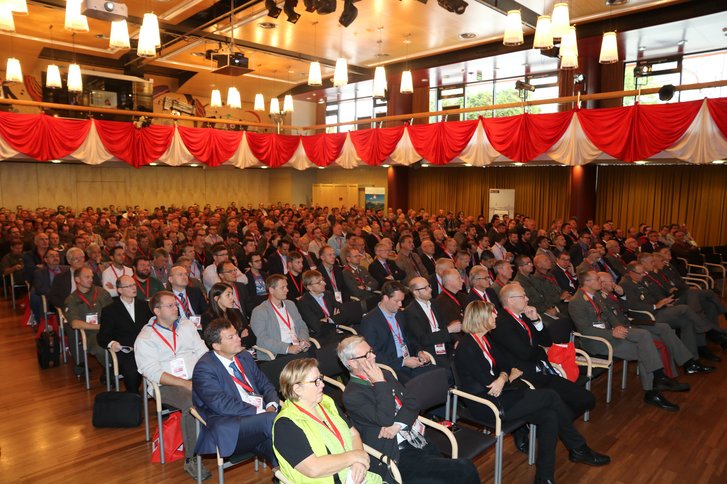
(637, 132)
(135, 146)
(323, 149)
(373, 146)
(440, 143)
(210, 146)
(718, 112)
(43, 137)
(526, 136)
(273, 150)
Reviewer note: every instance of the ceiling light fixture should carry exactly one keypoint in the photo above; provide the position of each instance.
(543, 33)
(233, 98)
(7, 23)
(149, 37)
(314, 70)
(216, 99)
(560, 21)
(288, 8)
(74, 82)
(340, 74)
(273, 10)
(380, 84)
(53, 74)
(13, 72)
(513, 29)
(274, 105)
(407, 84)
(74, 21)
(18, 7)
(609, 49)
(259, 102)
(454, 6)
(325, 7)
(288, 104)
(569, 50)
(119, 37)
(349, 14)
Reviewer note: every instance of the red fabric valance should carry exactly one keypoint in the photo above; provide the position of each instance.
(637, 132)
(43, 137)
(526, 136)
(718, 112)
(440, 143)
(273, 150)
(323, 149)
(373, 146)
(135, 146)
(210, 146)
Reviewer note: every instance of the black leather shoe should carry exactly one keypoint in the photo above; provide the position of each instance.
(522, 439)
(706, 354)
(670, 385)
(544, 480)
(586, 455)
(657, 399)
(692, 367)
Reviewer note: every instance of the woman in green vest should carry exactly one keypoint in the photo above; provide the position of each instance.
(313, 442)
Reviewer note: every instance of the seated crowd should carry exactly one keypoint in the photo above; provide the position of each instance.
(229, 309)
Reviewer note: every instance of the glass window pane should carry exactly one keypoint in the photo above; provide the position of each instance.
(707, 67)
(505, 92)
(478, 94)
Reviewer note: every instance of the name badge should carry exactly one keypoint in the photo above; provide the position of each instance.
(338, 296)
(440, 349)
(197, 321)
(92, 318)
(599, 325)
(418, 427)
(179, 368)
(405, 351)
(254, 400)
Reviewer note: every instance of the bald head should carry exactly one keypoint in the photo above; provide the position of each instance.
(420, 289)
(452, 280)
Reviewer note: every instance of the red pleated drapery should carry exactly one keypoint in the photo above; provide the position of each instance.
(637, 132)
(526, 136)
(440, 143)
(373, 146)
(718, 112)
(135, 146)
(323, 149)
(273, 150)
(43, 137)
(210, 146)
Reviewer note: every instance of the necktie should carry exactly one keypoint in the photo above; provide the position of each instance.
(236, 372)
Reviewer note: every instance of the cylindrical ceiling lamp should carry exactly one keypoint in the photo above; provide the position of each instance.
(216, 99)
(75, 82)
(340, 75)
(119, 37)
(274, 105)
(543, 33)
(560, 20)
(53, 76)
(609, 49)
(569, 43)
(288, 104)
(380, 84)
(407, 84)
(513, 29)
(233, 98)
(259, 102)
(569, 61)
(13, 72)
(18, 7)
(149, 37)
(74, 21)
(314, 74)
(7, 23)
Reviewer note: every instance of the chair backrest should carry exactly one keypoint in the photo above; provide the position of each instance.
(334, 389)
(430, 389)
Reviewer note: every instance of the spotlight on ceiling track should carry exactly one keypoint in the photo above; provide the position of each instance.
(524, 86)
(310, 5)
(293, 16)
(273, 10)
(349, 14)
(456, 6)
(611, 3)
(325, 7)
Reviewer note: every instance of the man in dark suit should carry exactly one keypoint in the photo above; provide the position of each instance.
(385, 414)
(578, 252)
(451, 299)
(383, 328)
(481, 288)
(295, 275)
(234, 397)
(64, 284)
(190, 301)
(563, 273)
(652, 245)
(333, 274)
(383, 269)
(278, 260)
(257, 291)
(121, 322)
(43, 278)
(521, 332)
(427, 251)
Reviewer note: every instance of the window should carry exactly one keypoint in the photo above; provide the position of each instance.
(359, 104)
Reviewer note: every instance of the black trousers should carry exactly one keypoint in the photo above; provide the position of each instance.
(576, 398)
(256, 435)
(127, 367)
(428, 466)
(545, 409)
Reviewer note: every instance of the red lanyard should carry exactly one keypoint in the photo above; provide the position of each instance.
(355, 275)
(243, 384)
(89, 304)
(328, 424)
(114, 271)
(166, 342)
(396, 334)
(146, 293)
(237, 297)
(332, 277)
(482, 296)
(322, 304)
(657, 282)
(485, 347)
(286, 320)
(522, 323)
(203, 259)
(497, 281)
(433, 321)
(450, 296)
(185, 304)
(298, 288)
(386, 266)
(595, 307)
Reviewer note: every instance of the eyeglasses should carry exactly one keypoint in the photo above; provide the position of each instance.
(126, 286)
(518, 295)
(316, 282)
(168, 306)
(365, 355)
(317, 382)
(428, 286)
(229, 271)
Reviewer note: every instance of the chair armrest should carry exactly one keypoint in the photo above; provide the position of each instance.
(196, 415)
(263, 350)
(157, 395)
(354, 298)
(385, 459)
(532, 387)
(44, 302)
(445, 431)
(645, 313)
(388, 368)
(114, 361)
(431, 358)
(604, 341)
(84, 341)
(718, 267)
(333, 382)
(586, 361)
(483, 401)
(347, 328)
(280, 477)
(315, 342)
(697, 282)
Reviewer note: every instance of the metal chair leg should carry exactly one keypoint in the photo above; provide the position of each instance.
(531, 445)
(609, 384)
(106, 369)
(624, 374)
(161, 437)
(498, 459)
(146, 411)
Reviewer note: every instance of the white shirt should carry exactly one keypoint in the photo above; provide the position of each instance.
(129, 308)
(210, 277)
(287, 335)
(111, 274)
(427, 308)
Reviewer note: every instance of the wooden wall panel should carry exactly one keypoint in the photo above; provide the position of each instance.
(20, 184)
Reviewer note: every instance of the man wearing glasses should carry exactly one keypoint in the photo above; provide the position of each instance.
(385, 414)
(209, 276)
(121, 322)
(167, 350)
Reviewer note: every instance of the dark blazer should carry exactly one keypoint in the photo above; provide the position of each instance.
(293, 286)
(577, 254)
(417, 326)
(61, 288)
(428, 262)
(491, 294)
(275, 264)
(451, 310)
(340, 282)
(196, 300)
(371, 241)
(378, 272)
(514, 340)
(41, 281)
(648, 247)
(117, 325)
(312, 313)
(372, 406)
(564, 282)
(434, 282)
(375, 329)
(253, 299)
(218, 401)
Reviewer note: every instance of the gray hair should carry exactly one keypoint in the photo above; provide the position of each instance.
(347, 347)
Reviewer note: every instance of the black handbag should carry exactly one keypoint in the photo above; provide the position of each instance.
(117, 410)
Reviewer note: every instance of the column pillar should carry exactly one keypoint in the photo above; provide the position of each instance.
(583, 192)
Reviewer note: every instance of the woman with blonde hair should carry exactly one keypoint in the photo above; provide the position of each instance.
(484, 370)
(313, 441)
